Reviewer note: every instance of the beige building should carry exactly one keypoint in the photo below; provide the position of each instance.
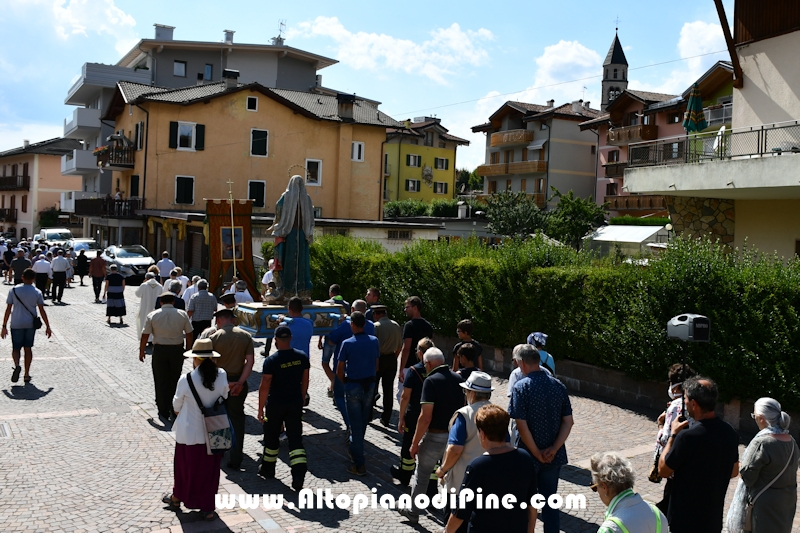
(31, 181)
(742, 185)
(530, 148)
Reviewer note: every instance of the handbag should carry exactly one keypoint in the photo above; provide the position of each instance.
(219, 433)
(37, 322)
(748, 517)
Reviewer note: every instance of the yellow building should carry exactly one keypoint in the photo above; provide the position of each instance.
(420, 161)
(181, 146)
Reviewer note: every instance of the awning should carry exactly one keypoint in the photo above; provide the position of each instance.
(537, 145)
(631, 234)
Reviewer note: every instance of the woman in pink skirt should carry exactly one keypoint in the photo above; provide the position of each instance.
(196, 472)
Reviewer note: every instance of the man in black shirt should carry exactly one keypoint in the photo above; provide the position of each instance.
(284, 383)
(441, 397)
(409, 413)
(416, 329)
(703, 458)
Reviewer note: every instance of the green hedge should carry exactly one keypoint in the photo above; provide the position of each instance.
(436, 208)
(628, 220)
(613, 316)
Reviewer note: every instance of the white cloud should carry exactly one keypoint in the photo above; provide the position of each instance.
(79, 17)
(12, 135)
(696, 38)
(443, 54)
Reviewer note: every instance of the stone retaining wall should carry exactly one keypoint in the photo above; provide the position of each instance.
(699, 217)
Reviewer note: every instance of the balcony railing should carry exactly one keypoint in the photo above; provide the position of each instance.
(8, 215)
(387, 169)
(78, 162)
(85, 123)
(15, 183)
(718, 115)
(615, 169)
(495, 169)
(632, 134)
(108, 207)
(511, 138)
(527, 167)
(635, 202)
(116, 158)
(756, 141)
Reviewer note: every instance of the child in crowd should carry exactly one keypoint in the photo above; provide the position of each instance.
(464, 331)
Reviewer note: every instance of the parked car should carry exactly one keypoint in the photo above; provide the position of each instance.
(89, 245)
(10, 238)
(132, 261)
(57, 236)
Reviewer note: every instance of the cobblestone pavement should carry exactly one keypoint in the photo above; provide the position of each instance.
(80, 450)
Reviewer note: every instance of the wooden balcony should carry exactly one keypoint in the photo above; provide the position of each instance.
(108, 207)
(511, 138)
(15, 183)
(539, 198)
(527, 167)
(116, 158)
(8, 215)
(497, 169)
(616, 169)
(636, 202)
(632, 134)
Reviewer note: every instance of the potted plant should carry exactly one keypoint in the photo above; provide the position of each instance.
(102, 153)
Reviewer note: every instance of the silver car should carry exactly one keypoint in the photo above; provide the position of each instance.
(89, 246)
(132, 261)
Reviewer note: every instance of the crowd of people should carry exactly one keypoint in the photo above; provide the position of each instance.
(452, 436)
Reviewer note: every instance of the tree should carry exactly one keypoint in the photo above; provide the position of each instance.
(573, 218)
(468, 180)
(514, 214)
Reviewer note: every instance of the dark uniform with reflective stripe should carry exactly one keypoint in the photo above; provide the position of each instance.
(285, 406)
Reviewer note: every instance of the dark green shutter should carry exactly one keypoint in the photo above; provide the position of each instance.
(446, 164)
(200, 137)
(407, 184)
(445, 188)
(408, 162)
(173, 134)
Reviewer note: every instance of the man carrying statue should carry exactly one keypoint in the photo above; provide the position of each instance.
(293, 230)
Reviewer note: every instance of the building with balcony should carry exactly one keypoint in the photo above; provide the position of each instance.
(31, 181)
(420, 161)
(194, 143)
(530, 148)
(741, 184)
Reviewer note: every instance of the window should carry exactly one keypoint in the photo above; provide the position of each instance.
(187, 136)
(23, 233)
(208, 71)
(256, 191)
(252, 103)
(179, 69)
(134, 186)
(540, 186)
(428, 138)
(544, 126)
(674, 118)
(313, 172)
(138, 135)
(412, 185)
(674, 151)
(330, 232)
(317, 212)
(492, 187)
(442, 144)
(509, 156)
(24, 203)
(184, 190)
(259, 140)
(441, 163)
(611, 189)
(439, 187)
(413, 160)
(648, 119)
(400, 234)
(357, 151)
(594, 149)
(633, 118)
(525, 154)
(523, 185)
(615, 73)
(386, 164)
(494, 158)
(613, 156)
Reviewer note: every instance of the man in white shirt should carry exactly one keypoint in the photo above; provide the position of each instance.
(241, 294)
(43, 273)
(60, 265)
(191, 289)
(268, 276)
(183, 279)
(165, 266)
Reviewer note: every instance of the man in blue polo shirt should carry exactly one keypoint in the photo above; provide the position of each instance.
(302, 328)
(358, 363)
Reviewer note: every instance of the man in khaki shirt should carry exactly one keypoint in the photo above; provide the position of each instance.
(171, 330)
(390, 337)
(238, 355)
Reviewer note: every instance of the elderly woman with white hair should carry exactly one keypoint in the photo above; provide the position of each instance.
(612, 480)
(768, 474)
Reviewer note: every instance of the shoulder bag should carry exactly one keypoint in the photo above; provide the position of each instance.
(748, 517)
(219, 433)
(37, 322)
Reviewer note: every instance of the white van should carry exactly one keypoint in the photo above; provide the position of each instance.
(55, 235)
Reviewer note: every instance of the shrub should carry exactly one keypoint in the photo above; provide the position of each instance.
(443, 208)
(405, 208)
(613, 316)
(628, 220)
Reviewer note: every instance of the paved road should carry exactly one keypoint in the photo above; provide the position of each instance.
(80, 451)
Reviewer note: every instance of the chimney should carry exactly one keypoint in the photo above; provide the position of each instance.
(319, 80)
(231, 78)
(229, 36)
(25, 143)
(346, 103)
(577, 105)
(551, 103)
(200, 77)
(163, 33)
(586, 105)
(277, 41)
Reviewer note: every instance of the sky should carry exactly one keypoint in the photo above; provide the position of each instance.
(458, 61)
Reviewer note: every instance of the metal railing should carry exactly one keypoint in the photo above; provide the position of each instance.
(718, 115)
(8, 215)
(108, 207)
(756, 141)
(15, 183)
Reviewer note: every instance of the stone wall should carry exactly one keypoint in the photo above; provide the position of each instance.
(699, 217)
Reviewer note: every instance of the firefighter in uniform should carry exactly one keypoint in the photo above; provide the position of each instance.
(284, 383)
